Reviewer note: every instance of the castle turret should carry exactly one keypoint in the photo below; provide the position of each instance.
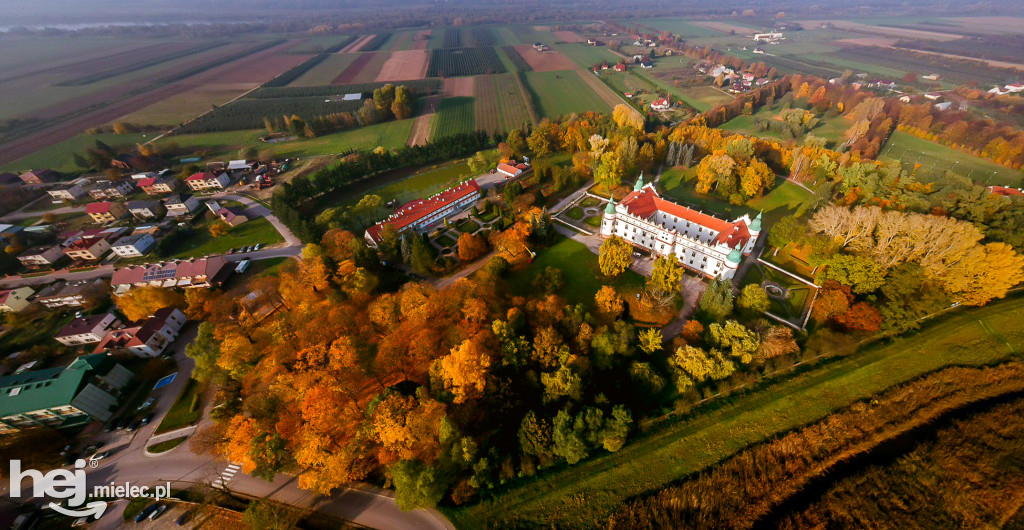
(609, 217)
(755, 225)
(639, 182)
(732, 262)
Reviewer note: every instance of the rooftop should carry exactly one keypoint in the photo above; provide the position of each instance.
(414, 211)
(50, 387)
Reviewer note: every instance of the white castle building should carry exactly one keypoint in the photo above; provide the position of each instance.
(699, 241)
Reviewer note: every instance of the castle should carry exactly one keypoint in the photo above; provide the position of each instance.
(699, 241)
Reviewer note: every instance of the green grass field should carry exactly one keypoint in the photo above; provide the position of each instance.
(829, 128)
(249, 233)
(181, 413)
(59, 156)
(782, 200)
(678, 26)
(562, 93)
(325, 72)
(585, 494)
(586, 56)
(453, 116)
(912, 150)
(422, 184)
(580, 269)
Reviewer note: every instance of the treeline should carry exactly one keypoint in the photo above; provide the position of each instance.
(741, 491)
(296, 203)
(246, 114)
(287, 77)
(964, 131)
(419, 86)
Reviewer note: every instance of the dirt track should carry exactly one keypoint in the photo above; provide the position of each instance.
(420, 133)
(405, 65)
(544, 61)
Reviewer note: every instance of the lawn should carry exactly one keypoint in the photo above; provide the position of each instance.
(417, 186)
(594, 221)
(580, 269)
(562, 93)
(782, 200)
(912, 150)
(445, 241)
(185, 411)
(703, 97)
(249, 233)
(219, 145)
(584, 495)
(163, 447)
(575, 213)
(468, 226)
(831, 128)
(586, 56)
(59, 156)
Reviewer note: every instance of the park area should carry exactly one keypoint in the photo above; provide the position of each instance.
(783, 199)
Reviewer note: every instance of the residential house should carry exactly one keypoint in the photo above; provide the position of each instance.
(145, 209)
(89, 248)
(511, 169)
(159, 185)
(619, 68)
(661, 104)
(41, 256)
(14, 300)
(73, 293)
(232, 216)
(181, 205)
(421, 214)
(148, 338)
(208, 180)
(239, 165)
(133, 246)
(67, 192)
(193, 273)
(106, 212)
(36, 177)
(87, 330)
(112, 189)
(90, 388)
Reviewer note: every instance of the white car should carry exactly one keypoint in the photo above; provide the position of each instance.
(242, 266)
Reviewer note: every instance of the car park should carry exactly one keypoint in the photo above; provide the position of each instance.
(145, 512)
(158, 512)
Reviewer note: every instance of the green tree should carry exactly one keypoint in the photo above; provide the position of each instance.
(263, 514)
(402, 106)
(862, 273)
(383, 97)
(616, 429)
(737, 340)
(694, 365)
(789, 229)
(516, 142)
(717, 300)
(615, 256)
(535, 437)
(568, 442)
(205, 351)
(753, 299)
(417, 485)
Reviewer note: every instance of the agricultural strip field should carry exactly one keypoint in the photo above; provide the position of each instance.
(518, 63)
(587, 56)
(419, 42)
(453, 116)
(884, 31)
(182, 107)
(249, 113)
(910, 150)
(327, 71)
(451, 62)
(375, 43)
(562, 93)
(35, 56)
(678, 26)
(499, 103)
(357, 44)
(607, 94)
(568, 36)
(59, 156)
(405, 65)
(362, 70)
(127, 62)
(585, 494)
(544, 61)
(420, 87)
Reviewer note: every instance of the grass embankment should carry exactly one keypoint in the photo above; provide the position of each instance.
(185, 411)
(202, 243)
(165, 446)
(586, 494)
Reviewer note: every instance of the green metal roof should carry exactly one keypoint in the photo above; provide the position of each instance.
(639, 182)
(755, 225)
(735, 256)
(48, 388)
(610, 208)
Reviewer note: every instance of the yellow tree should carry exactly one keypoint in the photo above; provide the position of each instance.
(666, 279)
(615, 256)
(650, 340)
(609, 301)
(140, 303)
(988, 272)
(626, 116)
(219, 228)
(464, 370)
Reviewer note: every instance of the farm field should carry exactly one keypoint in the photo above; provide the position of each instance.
(325, 72)
(562, 93)
(544, 61)
(249, 113)
(449, 62)
(59, 156)
(587, 56)
(974, 337)
(678, 26)
(405, 65)
(187, 105)
(453, 116)
(499, 103)
(362, 70)
(912, 150)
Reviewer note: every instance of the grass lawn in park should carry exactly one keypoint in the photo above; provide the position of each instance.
(445, 241)
(468, 226)
(589, 202)
(165, 446)
(585, 494)
(253, 231)
(185, 411)
(831, 128)
(912, 150)
(784, 199)
(579, 268)
(575, 213)
(594, 221)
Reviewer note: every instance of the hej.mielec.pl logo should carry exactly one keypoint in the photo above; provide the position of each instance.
(66, 484)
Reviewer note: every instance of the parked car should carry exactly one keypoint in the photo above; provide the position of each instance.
(242, 266)
(185, 517)
(99, 456)
(148, 403)
(258, 246)
(91, 448)
(134, 426)
(148, 418)
(158, 512)
(145, 512)
(125, 422)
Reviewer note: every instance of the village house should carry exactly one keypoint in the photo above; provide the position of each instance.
(159, 185)
(194, 273)
(208, 180)
(86, 330)
(661, 104)
(41, 256)
(73, 293)
(88, 389)
(134, 245)
(14, 300)
(89, 248)
(112, 189)
(231, 216)
(148, 338)
(701, 242)
(620, 68)
(421, 214)
(67, 192)
(511, 169)
(145, 209)
(181, 205)
(106, 212)
(36, 177)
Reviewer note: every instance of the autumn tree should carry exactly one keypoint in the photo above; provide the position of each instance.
(516, 142)
(471, 247)
(717, 300)
(693, 365)
(609, 302)
(219, 228)
(626, 116)
(666, 279)
(615, 256)
(650, 340)
(735, 339)
(753, 299)
(402, 106)
(143, 302)
(464, 370)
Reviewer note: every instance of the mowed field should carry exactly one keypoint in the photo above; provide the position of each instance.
(362, 70)
(544, 61)
(910, 150)
(587, 56)
(405, 65)
(500, 104)
(562, 93)
(453, 116)
(325, 72)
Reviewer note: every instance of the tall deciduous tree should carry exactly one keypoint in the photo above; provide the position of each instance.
(615, 256)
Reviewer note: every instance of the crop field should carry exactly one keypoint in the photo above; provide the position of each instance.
(518, 63)
(405, 65)
(127, 62)
(59, 156)
(419, 87)
(562, 93)
(453, 116)
(544, 61)
(450, 62)
(587, 56)
(452, 38)
(910, 150)
(182, 107)
(499, 103)
(323, 44)
(677, 26)
(249, 113)
(362, 70)
(376, 42)
(326, 71)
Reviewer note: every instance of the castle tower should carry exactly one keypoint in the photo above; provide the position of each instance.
(755, 230)
(609, 218)
(639, 182)
(732, 262)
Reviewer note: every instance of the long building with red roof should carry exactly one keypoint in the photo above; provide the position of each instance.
(421, 214)
(701, 242)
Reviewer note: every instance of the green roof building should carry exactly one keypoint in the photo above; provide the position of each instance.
(85, 390)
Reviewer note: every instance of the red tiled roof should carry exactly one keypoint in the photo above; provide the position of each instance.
(208, 267)
(85, 243)
(646, 202)
(508, 168)
(205, 175)
(416, 210)
(1005, 191)
(147, 182)
(97, 207)
(660, 101)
